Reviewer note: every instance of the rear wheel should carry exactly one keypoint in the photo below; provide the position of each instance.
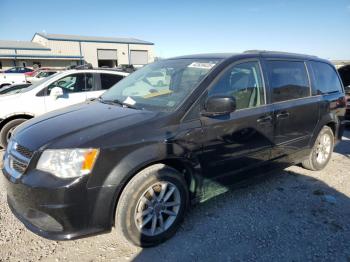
(152, 205)
(322, 150)
(6, 131)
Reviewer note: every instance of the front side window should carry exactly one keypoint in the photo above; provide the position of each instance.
(242, 82)
(74, 83)
(325, 78)
(161, 86)
(288, 80)
(108, 80)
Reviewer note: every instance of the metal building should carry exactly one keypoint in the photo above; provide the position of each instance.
(55, 50)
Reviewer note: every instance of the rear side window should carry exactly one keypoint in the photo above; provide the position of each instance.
(325, 78)
(288, 80)
(108, 80)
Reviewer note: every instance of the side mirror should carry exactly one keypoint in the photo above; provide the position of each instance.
(347, 89)
(219, 105)
(56, 92)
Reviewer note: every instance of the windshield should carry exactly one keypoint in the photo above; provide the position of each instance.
(160, 86)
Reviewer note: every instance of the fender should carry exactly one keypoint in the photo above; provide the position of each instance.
(131, 164)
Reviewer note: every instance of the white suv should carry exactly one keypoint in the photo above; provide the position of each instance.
(54, 92)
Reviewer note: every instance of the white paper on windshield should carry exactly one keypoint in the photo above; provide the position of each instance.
(129, 101)
(202, 65)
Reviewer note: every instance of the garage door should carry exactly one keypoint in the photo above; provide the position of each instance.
(107, 54)
(138, 57)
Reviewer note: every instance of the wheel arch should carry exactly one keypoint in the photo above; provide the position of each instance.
(9, 118)
(185, 166)
(331, 120)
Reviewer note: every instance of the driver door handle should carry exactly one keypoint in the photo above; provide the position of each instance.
(264, 119)
(283, 115)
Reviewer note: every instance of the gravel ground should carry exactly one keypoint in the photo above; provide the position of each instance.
(291, 215)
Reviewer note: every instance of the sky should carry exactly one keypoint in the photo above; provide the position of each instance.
(178, 27)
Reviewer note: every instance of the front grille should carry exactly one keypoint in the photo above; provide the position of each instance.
(18, 158)
(24, 151)
(18, 166)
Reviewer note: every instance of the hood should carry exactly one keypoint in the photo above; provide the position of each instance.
(77, 125)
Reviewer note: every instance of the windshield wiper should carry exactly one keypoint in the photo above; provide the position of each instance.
(116, 101)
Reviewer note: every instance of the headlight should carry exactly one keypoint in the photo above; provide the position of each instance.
(68, 163)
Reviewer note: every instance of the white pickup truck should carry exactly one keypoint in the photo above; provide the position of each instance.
(11, 78)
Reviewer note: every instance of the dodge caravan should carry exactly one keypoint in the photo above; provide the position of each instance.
(138, 156)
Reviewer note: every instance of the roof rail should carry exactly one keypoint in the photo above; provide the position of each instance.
(274, 52)
(84, 66)
(121, 68)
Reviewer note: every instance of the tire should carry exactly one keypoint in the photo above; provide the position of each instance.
(313, 162)
(130, 203)
(7, 129)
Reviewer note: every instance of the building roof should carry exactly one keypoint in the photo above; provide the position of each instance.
(36, 56)
(21, 45)
(99, 39)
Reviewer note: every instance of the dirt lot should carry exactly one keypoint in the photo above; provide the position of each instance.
(293, 215)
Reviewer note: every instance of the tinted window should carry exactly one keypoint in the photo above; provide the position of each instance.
(288, 80)
(73, 83)
(243, 82)
(326, 78)
(108, 80)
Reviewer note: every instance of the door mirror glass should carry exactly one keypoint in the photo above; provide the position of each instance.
(56, 92)
(219, 105)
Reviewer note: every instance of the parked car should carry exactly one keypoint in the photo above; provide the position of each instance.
(344, 73)
(136, 161)
(10, 79)
(40, 75)
(158, 79)
(18, 70)
(12, 89)
(54, 92)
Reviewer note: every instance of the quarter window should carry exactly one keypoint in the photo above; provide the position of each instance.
(244, 83)
(288, 80)
(325, 78)
(108, 80)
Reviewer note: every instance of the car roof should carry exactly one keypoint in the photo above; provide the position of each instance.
(206, 56)
(250, 53)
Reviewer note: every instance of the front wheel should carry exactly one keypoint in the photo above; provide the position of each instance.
(7, 129)
(152, 205)
(322, 150)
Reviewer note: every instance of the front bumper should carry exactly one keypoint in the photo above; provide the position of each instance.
(57, 209)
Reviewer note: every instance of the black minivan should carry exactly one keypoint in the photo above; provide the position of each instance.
(138, 156)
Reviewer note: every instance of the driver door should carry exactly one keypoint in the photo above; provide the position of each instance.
(74, 87)
(242, 139)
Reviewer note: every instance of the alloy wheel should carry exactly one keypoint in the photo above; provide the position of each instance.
(323, 149)
(157, 208)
